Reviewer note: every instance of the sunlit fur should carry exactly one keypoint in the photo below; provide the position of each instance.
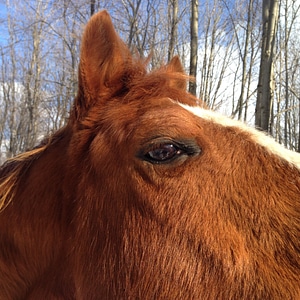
(87, 214)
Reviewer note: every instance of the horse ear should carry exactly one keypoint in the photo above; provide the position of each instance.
(175, 66)
(102, 60)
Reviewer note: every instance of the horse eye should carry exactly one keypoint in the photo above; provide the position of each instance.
(164, 150)
(162, 153)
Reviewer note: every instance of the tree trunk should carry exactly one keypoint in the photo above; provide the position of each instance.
(173, 15)
(265, 89)
(244, 59)
(92, 7)
(194, 46)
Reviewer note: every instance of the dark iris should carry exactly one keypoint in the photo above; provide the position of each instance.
(163, 153)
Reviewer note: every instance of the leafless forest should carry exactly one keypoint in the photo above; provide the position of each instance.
(245, 55)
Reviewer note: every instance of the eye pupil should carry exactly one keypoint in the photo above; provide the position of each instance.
(163, 153)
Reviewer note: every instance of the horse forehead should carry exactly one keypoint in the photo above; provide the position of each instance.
(167, 116)
(151, 112)
(140, 120)
(254, 136)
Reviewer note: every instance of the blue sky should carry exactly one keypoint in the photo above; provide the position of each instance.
(3, 28)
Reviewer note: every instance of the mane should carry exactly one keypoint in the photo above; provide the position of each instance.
(14, 168)
(161, 82)
(257, 136)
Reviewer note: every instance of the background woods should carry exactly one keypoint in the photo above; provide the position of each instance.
(40, 43)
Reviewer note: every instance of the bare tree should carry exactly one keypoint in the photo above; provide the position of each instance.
(217, 55)
(285, 123)
(93, 2)
(32, 79)
(173, 21)
(9, 93)
(194, 45)
(244, 58)
(265, 89)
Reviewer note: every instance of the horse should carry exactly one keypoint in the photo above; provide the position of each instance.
(145, 194)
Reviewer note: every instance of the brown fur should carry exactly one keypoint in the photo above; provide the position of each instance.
(84, 216)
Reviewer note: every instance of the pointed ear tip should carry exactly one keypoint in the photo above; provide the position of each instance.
(101, 15)
(176, 65)
(175, 58)
(100, 19)
(99, 27)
